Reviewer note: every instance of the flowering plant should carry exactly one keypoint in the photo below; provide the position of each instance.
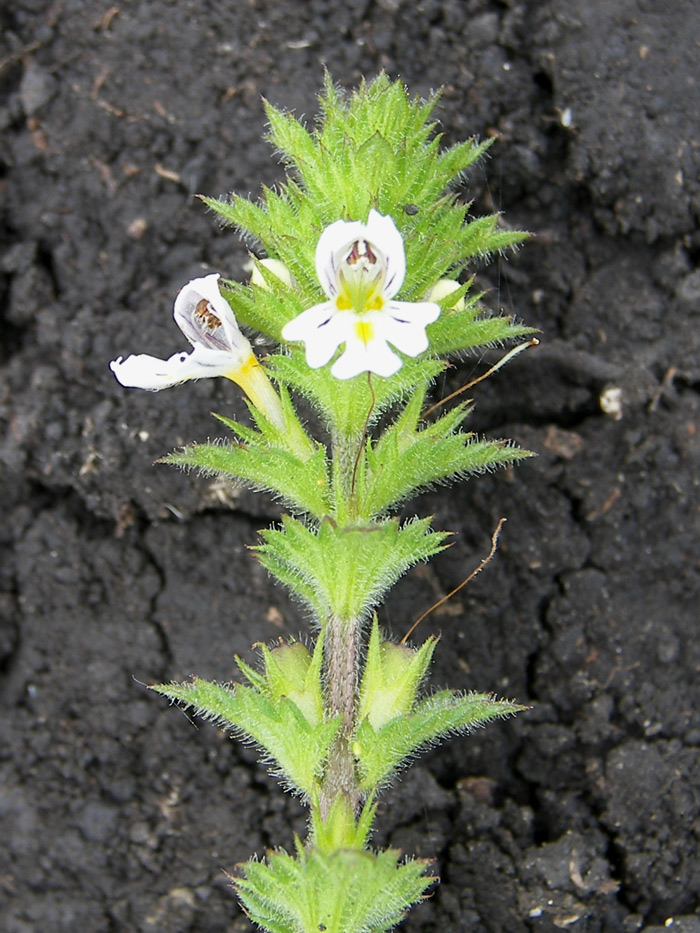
(365, 215)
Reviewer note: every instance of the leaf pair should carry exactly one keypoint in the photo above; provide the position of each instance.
(282, 711)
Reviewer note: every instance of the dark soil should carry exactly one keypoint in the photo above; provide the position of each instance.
(583, 814)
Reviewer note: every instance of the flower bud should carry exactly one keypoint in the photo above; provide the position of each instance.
(441, 289)
(274, 266)
(291, 671)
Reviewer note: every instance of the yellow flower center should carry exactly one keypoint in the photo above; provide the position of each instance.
(362, 300)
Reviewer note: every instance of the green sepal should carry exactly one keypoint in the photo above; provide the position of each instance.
(381, 752)
(345, 570)
(255, 678)
(391, 678)
(280, 728)
(348, 891)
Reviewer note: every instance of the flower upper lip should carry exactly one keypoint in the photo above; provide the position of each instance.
(206, 319)
(340, 240)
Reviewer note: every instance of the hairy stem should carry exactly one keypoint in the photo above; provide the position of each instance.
(344, 458)
(340, 662)
(342, 639)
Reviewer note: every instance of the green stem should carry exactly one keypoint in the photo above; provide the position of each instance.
(345, 451)
(342, 639)
(348, 452)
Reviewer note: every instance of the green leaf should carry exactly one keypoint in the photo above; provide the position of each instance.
(457, 331)
(457, 159)
(289, 136)
(299, 747)
(381, 752)
(410, 456)
(302, 484)
(241, 212)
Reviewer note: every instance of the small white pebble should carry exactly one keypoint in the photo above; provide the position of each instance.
(137, 228)
(611, 402)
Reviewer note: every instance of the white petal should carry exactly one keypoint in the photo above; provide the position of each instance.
(302, 327)
(418, 313)
(382, 233)
(206, 287)
(403, 324)
(149, 372)
(322, 330)
(408, 338)
(375, 357)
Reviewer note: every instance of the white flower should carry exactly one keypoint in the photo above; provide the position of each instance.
(361, 267)
(219, 349)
